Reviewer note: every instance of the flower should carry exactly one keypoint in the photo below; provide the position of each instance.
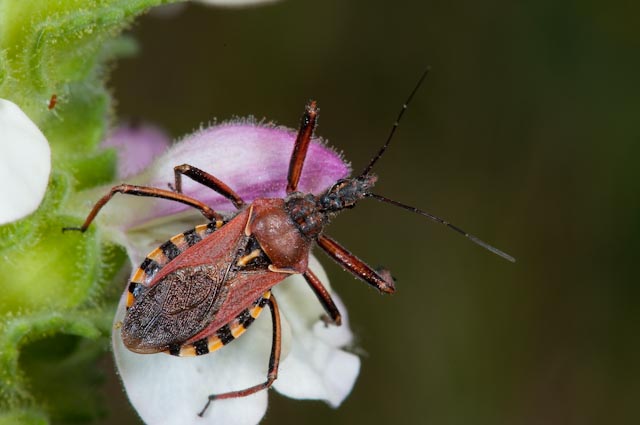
(25, 163)
(252, 158)
(314, 365)
(137, 145)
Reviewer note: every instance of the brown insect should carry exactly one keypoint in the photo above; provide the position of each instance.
(201, 289)
(53, 101)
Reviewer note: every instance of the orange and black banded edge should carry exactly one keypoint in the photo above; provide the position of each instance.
(160, 257)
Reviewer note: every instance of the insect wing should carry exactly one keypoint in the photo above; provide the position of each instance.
(242, 291)
(174, 309)
(198, 292)
(218, 248)
(183, 296)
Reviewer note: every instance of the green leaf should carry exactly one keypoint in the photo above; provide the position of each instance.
(23, 417)
(67, 390)
(57, 47)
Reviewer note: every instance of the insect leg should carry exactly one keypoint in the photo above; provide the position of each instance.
(151, 192)
(205, 179)
(307, 124)
(356, 266)
(324, 297)
(274, 361)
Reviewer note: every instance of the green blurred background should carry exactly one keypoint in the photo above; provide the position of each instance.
(525, 134)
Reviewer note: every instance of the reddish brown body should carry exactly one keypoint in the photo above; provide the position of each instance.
(184, 317)
(225, 273)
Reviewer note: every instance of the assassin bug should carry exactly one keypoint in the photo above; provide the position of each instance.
(201, 289)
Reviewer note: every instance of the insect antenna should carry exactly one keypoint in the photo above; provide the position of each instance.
(396, 123)
(446, 223)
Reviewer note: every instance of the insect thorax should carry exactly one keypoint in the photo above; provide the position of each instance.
(305, 213)
(311, 213)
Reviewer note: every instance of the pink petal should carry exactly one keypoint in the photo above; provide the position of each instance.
(252, 158)
(137, 146)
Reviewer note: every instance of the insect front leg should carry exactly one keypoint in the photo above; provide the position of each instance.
(356, 266)
(307, 125)
(274, 361)
(153, 192)
(333, 315)
(207, 180)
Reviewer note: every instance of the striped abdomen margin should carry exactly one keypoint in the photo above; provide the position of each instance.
(160, 257)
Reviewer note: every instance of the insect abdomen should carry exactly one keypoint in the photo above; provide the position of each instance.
(224, 335)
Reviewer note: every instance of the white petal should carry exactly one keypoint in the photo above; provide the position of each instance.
(317, 366)
(25, 163)
(171, 390)
(165, 389)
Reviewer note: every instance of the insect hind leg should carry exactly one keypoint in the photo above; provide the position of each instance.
(333, 315)
(274, 361)
(382, 282)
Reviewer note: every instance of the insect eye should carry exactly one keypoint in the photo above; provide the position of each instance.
(338, 185)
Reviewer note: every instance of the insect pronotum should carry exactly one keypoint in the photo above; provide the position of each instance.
(229, 265)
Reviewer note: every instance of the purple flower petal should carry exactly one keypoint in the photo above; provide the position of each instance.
(137, 146)
(253, 159)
